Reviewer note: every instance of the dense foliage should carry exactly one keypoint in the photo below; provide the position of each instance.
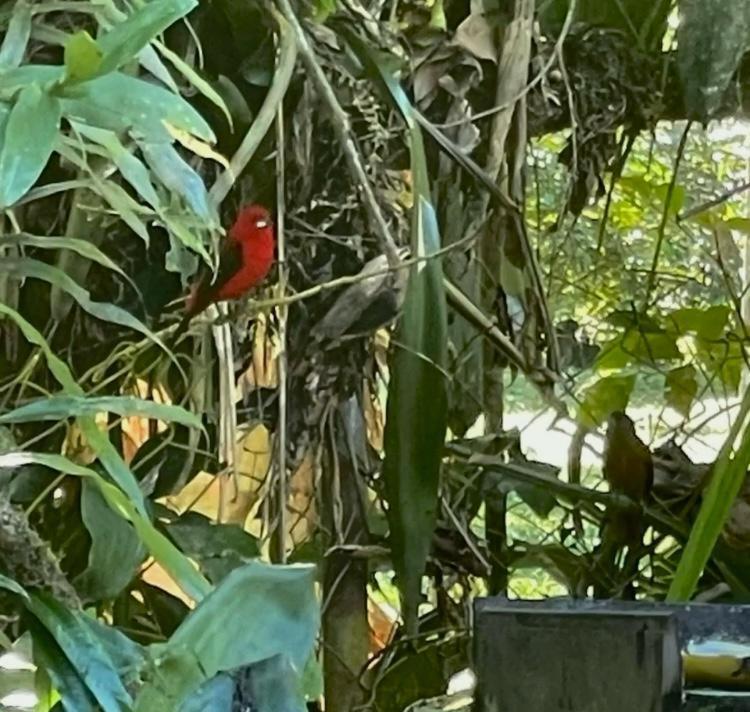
(488, 214)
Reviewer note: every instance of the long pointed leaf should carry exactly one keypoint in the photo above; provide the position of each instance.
(417, 408)
(61, 407)
(30, 134)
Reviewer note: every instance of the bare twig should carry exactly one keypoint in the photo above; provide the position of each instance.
(718, 200)
(665, 215)
(281, 485)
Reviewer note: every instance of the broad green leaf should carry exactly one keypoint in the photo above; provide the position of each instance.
(84, 651)
(115, 553)
(638, 347)
(10, 585)
(178, 176)
(126, 39)
(18, 268)
(16, 35)
(218, 548)
(168, 679)
(175, 563)
(83, 58)
(708, 323)
(724, 359)
(11, 81)
(216, 693)
(151, 61)
(121, 103)
(49, 656)
(604, 397)
(279, 610)
(681, 387)
(414, 438)
(30, 134)
(131, 169)
(711, 39)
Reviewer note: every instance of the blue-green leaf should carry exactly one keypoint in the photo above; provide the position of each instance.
(126, 39)
(179, 177)
(131, 169)
(287, 625)
(30, 134)
(87, 655)
(16, 36)
(121, 103)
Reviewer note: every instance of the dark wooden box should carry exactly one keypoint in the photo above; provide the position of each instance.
(532, 657)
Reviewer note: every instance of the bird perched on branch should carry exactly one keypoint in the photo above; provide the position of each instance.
(629, 470)
(245, 258)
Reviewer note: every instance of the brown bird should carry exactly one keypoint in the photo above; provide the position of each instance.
(629, 470)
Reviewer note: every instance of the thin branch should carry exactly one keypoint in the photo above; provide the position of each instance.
(718, 200)
(665, 215)
(281, 492)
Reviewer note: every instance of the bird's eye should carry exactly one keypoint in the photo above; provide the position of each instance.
(261, 223)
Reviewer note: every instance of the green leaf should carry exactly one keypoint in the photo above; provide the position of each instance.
(62, 407)
(131, 169)
(52, 242)
(604, 397)
(728, 475)
(50, 657)
(168, 679)
(724, 359)
(115, 553)
(711, 39)
(30, 134)
(123, 103)
(13, 80)
(16, 36)
(279, 610)
(681, 386)
(178, 176)
(83, 58)
(18, 268)
(414, 438)
(708, 323)
(127, 501)
(218, 548)
(87, 655)
(125, 40)
(10, 585)
(196, 80)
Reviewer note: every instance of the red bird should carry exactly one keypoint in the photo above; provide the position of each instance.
(245, 259)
